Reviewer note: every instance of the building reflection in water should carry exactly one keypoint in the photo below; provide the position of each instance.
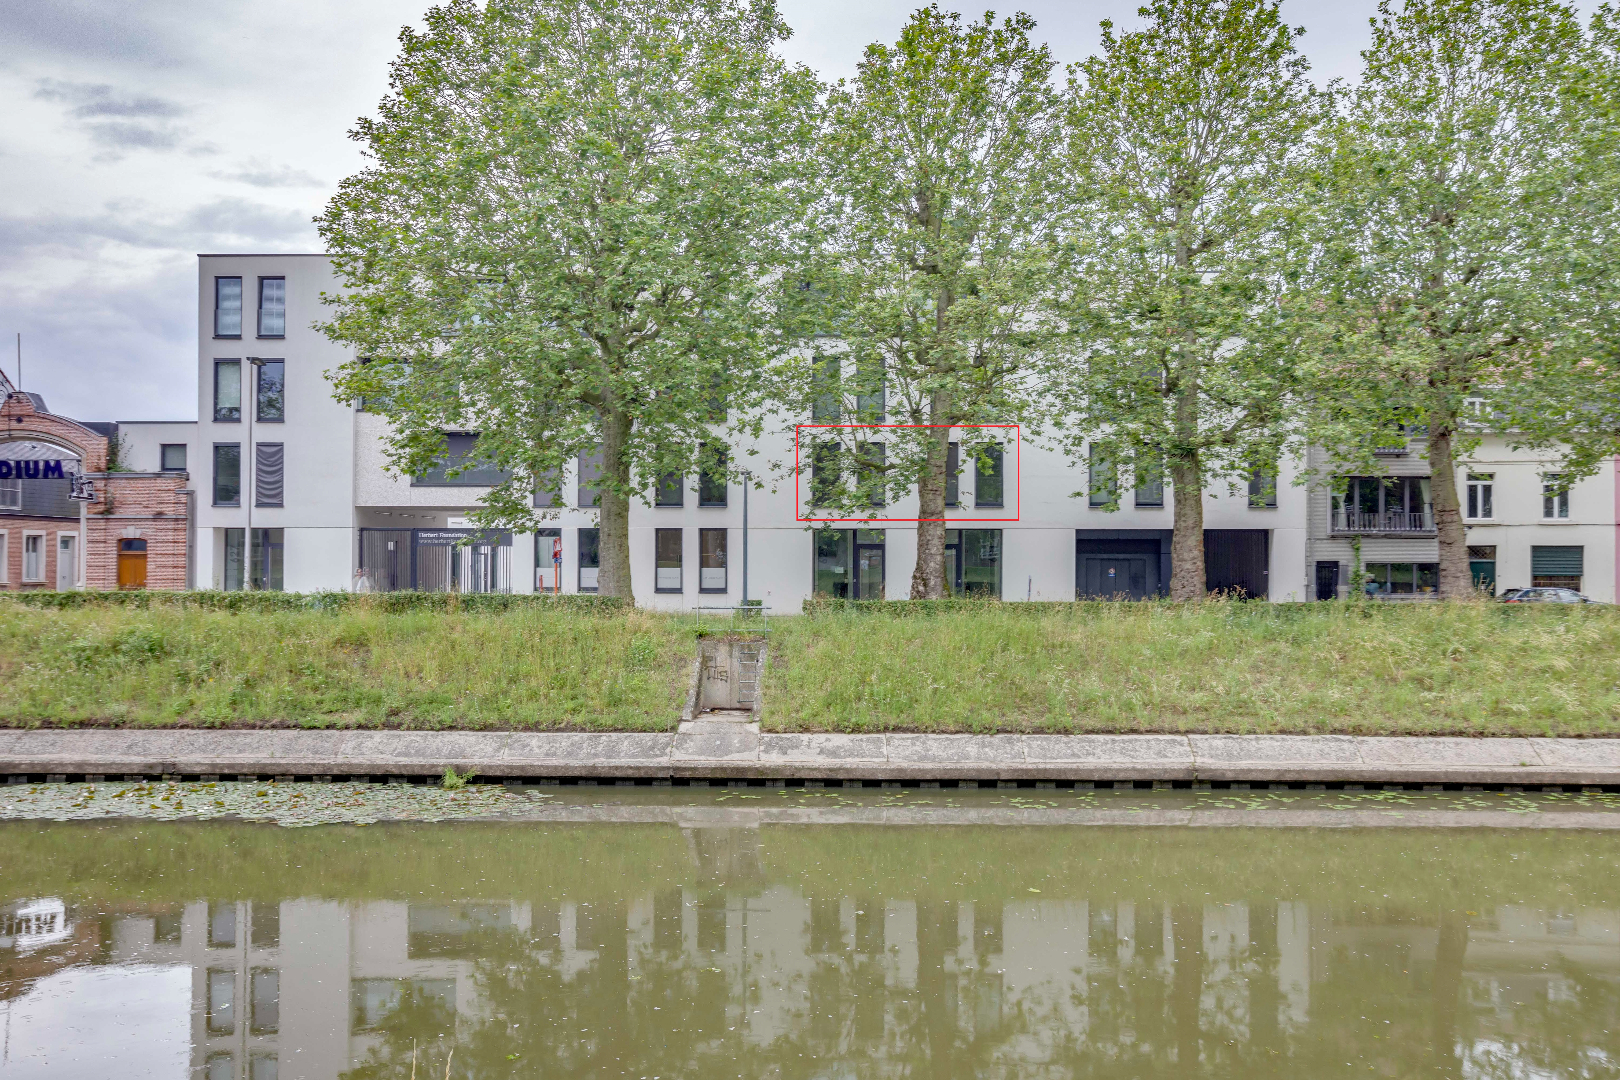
(737, 975)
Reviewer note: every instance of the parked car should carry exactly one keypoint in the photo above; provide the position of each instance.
(1546, 596)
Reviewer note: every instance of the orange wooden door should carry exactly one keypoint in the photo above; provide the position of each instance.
(132, 569)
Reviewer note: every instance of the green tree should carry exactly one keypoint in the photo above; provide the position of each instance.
(1466, 245)
(933, 275)
(561, 238)
(1188, 141)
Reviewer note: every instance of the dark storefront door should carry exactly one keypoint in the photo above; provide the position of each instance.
(1237, 562)
(1119, 577)
(1327, 581)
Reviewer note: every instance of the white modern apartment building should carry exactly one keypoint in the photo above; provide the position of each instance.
(293, 493)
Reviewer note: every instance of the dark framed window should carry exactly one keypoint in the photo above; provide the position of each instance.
(849, 564)
(989, 470)
(1149, 481)
(547, 560)
(1401, 579)
(670, 490)
(1384, 503)
(712, 560)
(269, 400)
(459, 449)
(953, 469)
(228, 307)
(265, 560)
(871, 473)
(272, 307)
(712, 483)
(1102, 484)
(824, 473)
(172, 457)
(227, 391)
(590, 477)
(268, 474)
(227, 474)
(826, 396)
(973, 562)
(234, 567)
(667, 551)
(1263, 488)
(590, 559)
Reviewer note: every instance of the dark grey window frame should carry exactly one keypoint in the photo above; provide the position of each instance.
(1263, 488)
(482, 475)
(725, 559)
(997, 476)
(595, 549)
(261, 309)
(239, 305)
(269, 474)
(709, 483)
(163, 457)
(237, 363)
(680, 557)
(214, 480)
(670, 490)
(259, 395)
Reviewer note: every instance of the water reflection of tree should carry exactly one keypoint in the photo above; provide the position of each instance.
(415, 1039)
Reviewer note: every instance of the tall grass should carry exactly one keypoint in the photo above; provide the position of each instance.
(360, 666)
(1474, 668)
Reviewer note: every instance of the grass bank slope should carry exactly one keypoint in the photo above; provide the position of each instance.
(1216, 667)
(528, 667)
(1365, 669)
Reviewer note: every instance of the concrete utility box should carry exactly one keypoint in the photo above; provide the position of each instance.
(728, 674)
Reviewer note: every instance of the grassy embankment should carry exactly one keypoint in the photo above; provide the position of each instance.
(1363, 669)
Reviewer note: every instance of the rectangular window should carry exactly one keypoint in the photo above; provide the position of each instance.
(590, 559)
(227, 391)
(712, 483)
(668, 569)
(264, 1001)
(1398, 504)
(10, 494)
(227, 474)
(1149, 481)
(1557, 567)
(870, 473)
(1480, 487)
(267, 474)
(849, 564)
(953, 475)
(824, 473)
(5, 557)
(547, 560)
(228, 307)
(173, 457)
(973, 562)
(233, 571)
(270, 401)
(1263, 488)
(671, 490)
(1401, 579)
(272, 307)
(459, 466)
(33, 557)
(988, 484)
(548, 489)
(826, 396)
(266, 560)
(871, 393)
(1554, 498)
(221, 1002)
(712, 560)
(1102, 485)
(590, 475)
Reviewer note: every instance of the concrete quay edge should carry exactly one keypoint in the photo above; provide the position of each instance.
(741, 751)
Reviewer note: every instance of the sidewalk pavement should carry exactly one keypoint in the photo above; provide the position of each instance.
(731, 750)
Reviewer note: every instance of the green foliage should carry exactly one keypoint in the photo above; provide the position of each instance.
(561, 240)
(1464, 244)
(1219, 666)
(938, 233)
(1188, 139)
(452, 780)
(243, 601)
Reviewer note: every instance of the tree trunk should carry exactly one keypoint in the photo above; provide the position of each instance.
(928, 579)
(1456, 581)
(613, 577)
(1187, 543)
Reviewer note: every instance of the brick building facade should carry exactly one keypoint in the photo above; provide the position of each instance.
(132, 533)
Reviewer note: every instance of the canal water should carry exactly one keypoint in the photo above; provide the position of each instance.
(800, 933)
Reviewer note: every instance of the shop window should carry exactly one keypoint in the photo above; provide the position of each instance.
(973, 562)
(849, 564)
(712, 560)
(667, 572)
(1401, 579)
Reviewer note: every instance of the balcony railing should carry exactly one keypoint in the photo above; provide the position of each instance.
(1355, 521)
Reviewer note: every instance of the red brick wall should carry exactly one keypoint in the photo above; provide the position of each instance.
(149, 506)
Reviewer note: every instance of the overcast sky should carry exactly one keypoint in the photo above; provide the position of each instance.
(139, 133)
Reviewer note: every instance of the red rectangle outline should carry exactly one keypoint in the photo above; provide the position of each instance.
(1018, 471)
